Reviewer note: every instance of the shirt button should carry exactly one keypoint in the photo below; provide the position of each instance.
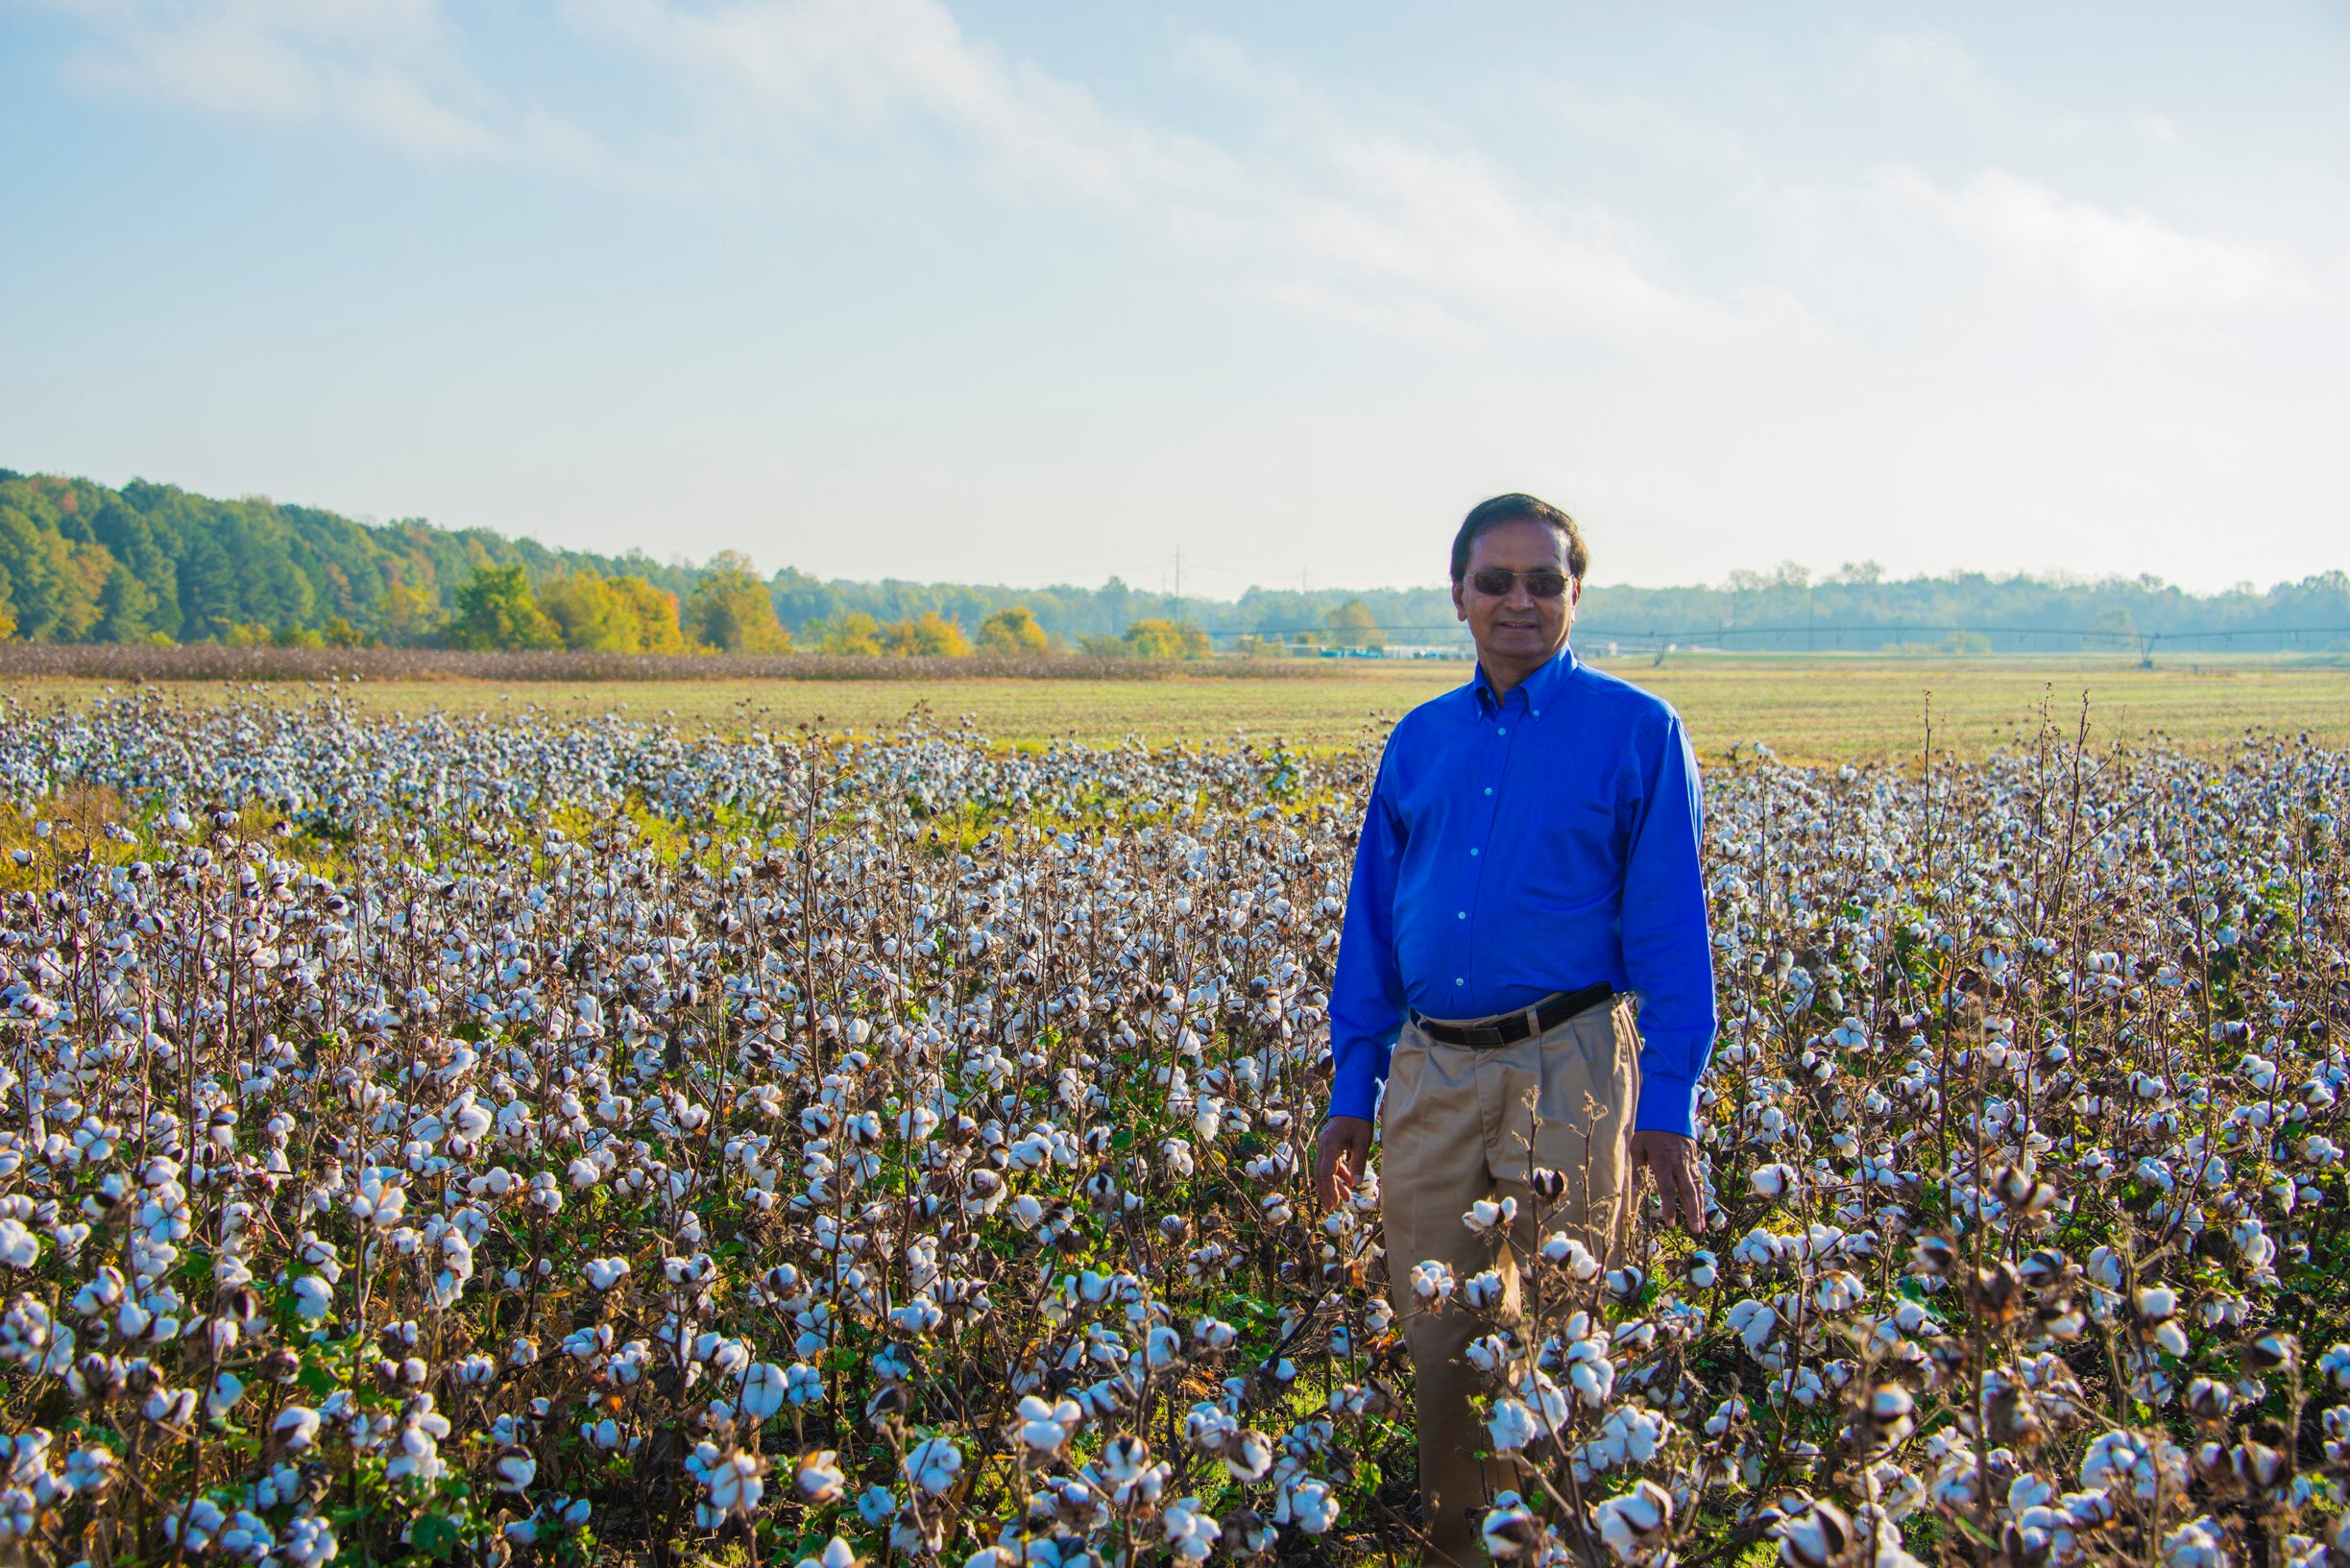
(1489, 790)
(1459, 980)
(1475, 851)
(1462, 915)
(1505, 729)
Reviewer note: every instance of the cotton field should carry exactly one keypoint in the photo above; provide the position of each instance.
(461, 1142)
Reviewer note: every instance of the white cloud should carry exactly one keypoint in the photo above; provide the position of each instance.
(1366, 218)
(1342, 216)
(388, 69)
(819, 69)
(2128, 262)
(1907, 64)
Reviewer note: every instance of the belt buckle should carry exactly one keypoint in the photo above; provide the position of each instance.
(1484, 1036)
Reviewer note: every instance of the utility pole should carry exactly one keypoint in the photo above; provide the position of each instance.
(1178, 577)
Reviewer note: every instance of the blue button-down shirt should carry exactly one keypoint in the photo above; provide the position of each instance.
(1515, 847)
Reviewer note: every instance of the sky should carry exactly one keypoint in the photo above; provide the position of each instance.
(1029, 293)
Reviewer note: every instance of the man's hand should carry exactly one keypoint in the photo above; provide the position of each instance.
(1672, 1161)
(1340, 1157)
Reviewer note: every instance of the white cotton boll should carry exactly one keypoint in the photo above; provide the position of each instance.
(1752, 1322)
(514, 1469)
(1567, 1252)
(817, 1478)
(1047, 1428)
(1636, 1524)
(1509, 1528)
(1512, 1425)
(1191, 1532)
(763, 1391)
(1838, 1290)
(1776, 1181)
(1432, 1283)
(2131, 1463)
(932, 1464)
(1756, 1249)
(19, 1246)
(604, 1274)
(1310, 1505)
(1484, 1290)
(295, 1428)
(1591, 1373)
(836, 1553)
(1248, 1455)
(1162, 1347)
(1487, 1216)
(1212, 1334)
(1209, 1426)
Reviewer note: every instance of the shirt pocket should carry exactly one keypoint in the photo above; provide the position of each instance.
(1577, 837)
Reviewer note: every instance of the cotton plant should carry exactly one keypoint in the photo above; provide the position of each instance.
(901, 1145)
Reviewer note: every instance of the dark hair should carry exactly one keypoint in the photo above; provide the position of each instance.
(1512, 508)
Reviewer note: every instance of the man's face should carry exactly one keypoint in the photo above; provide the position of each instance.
(1516, 629)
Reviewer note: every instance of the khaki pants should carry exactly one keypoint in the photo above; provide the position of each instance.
(1461, 1124)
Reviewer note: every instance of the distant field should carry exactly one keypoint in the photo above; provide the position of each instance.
(1807, 709)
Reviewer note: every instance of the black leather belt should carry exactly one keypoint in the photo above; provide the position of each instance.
(1509, 1029)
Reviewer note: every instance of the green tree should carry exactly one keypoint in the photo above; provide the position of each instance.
(125, 607)
(850, 634)
(51, 600)
(1352, 625)
(495, 609)
(1013, 630)
(135, 542)
(731, 612)
(2114, 630)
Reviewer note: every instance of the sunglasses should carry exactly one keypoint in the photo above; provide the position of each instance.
(1543, 583)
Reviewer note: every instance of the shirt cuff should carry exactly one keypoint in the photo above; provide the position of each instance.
(1668, 1103)
(1354, 1091)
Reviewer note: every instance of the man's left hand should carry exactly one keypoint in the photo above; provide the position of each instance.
(1672, 1161)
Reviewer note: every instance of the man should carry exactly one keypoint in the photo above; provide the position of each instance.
(1528, 867)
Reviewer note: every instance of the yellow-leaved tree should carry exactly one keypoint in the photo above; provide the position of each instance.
(1156, 639)
(612, 614)
(729, 611)
(1013, 630)
(927, 635)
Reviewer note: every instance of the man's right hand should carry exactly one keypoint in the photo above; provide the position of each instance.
(1345, 1148)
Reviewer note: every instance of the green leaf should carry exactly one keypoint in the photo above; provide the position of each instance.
(436, 1534)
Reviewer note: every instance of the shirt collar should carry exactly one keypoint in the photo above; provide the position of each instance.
(1539, 689)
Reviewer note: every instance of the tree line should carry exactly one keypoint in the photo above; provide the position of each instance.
(84, 561)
